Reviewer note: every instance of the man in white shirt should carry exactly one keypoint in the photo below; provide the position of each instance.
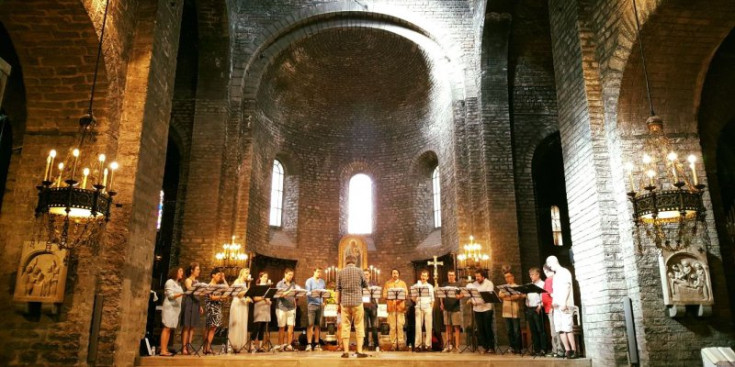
(424, 309)
(535, 314)
(484, 313)
(562, 300)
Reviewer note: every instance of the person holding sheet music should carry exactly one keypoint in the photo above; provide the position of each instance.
(286, 311)
(450, 307)
(261, 315)
(370, 305)
(512, 313)
(192, 309)
(396, 310)
(314, 309)
(171, 307)
(238, 326)
(483, 313)
(213, 303)
(424, 309)
(535, 314)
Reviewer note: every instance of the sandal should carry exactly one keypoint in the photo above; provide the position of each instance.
(166, 354)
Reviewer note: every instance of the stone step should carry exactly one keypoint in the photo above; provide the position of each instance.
(383, 359)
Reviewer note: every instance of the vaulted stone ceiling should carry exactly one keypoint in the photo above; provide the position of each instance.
(348, 77)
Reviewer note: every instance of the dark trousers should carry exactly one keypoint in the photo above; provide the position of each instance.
(538, 331)
(259, 331)
(371, 325)
(514, 333)
(484, 323)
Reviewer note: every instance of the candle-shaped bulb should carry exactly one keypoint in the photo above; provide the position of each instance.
(75, 153)
(650, 173)
(113, 167)
(52, 153)
(691, 158)
(647, 159)
(61, 171)
(104, 177)
(85, 173)
(101, 158)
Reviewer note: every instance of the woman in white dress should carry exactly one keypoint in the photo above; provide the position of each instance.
(171, 307)
(238, 331)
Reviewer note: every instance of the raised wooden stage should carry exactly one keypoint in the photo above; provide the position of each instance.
(381, 359)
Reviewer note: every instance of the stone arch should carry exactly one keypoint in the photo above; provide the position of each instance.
(52, 70)
(436, 46)
(716, 129)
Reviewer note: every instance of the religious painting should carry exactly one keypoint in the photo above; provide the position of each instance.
(356, 246)
(41, 274)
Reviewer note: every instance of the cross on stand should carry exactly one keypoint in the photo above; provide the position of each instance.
(436, 264)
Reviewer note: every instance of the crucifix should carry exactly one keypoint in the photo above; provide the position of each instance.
(436, 264)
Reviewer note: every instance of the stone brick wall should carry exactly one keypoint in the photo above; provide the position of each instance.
(614, 109)
(533, 114)
(57, 44)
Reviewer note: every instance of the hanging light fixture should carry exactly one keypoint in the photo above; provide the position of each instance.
(75, 194)
(473, 257)
(232, 256)
(666, 196)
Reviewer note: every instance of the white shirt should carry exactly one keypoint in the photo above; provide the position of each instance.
(534, 299)
(485, 286)
(563, 294)
(424, 302)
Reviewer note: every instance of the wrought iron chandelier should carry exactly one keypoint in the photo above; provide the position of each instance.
(473, 257)
(666, 196)
(75, 196)
(232, 256)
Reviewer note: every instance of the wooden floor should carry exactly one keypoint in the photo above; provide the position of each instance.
(380, 359)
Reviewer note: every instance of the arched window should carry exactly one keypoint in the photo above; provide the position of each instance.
(277, 194)
(556, 226)
(160, 212)
(436, 192)
(360, 205)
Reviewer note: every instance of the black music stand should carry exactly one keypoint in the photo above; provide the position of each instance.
(396, 294)
(449, 292)
(417, 292)
(269, 294)
(524, 290)
(197, 290)
(478, 298)
(512, 290)
(371, 293)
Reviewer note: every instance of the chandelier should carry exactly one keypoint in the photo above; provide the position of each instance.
(472, 256)
(666, 196)
(232, 256)
(75, 196)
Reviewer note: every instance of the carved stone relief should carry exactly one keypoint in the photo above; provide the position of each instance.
(41, 274)
(686, 281)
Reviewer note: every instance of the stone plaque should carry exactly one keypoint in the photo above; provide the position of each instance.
(41, 274)
(686, 281)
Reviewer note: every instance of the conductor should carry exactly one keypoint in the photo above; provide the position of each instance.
(350, 282)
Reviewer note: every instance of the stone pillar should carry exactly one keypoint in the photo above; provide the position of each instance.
(592, 214)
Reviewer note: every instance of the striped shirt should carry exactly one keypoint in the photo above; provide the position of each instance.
(350, 282)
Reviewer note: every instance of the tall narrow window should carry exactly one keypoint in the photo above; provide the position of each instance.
(437, 198)
(160, 211)
(556, 226)
(276, 194)
(360, 205)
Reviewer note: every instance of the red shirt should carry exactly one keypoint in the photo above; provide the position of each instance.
(546, 297)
